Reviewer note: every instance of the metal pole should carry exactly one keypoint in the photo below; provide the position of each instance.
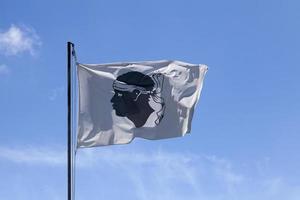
(70, 167)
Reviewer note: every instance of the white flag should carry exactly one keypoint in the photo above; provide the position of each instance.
(151, 100)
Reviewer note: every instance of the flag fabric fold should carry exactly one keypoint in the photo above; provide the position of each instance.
(151, 100)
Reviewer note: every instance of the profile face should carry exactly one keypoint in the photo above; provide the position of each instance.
(123, 103)
(132, 93)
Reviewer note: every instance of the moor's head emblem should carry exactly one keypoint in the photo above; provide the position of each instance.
(133, 92)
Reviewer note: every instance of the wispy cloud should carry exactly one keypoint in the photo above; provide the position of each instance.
(4, 70)
(160, 175)
(33, 156)
(19, 39)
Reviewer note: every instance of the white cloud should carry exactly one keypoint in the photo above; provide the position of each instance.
(19, 39)
(4, 70)
(159, 175)
(33, 156)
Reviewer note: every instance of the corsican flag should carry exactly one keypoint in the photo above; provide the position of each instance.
(151, 100)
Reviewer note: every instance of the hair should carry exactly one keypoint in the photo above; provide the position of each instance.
(138, 79)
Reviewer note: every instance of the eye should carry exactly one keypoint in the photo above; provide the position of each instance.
(119, 94)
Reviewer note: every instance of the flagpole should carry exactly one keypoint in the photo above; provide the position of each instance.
(69, 128)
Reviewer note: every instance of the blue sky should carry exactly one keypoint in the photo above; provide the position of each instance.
(246, 131)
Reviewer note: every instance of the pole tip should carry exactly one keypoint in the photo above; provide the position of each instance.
(70, 43)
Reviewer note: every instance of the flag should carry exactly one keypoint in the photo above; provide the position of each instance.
(151, 100)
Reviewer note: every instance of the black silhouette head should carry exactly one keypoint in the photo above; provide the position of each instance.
(131, 99)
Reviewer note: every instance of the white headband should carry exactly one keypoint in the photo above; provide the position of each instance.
(122, 86)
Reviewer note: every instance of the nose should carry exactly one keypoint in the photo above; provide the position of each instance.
(113, 99)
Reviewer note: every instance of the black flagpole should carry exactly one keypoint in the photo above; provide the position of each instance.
(70, 142)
